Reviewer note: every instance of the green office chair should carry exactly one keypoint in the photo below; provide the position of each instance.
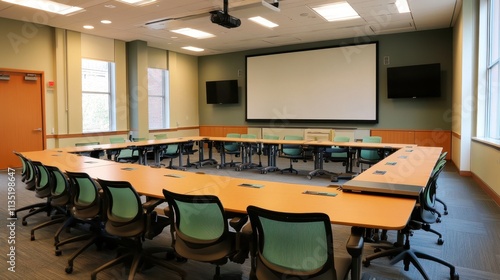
(299, 246)
(369, 156)
(28, 173)
(86, 209)
(200, 229)
(170, 152)
(292, 152)
(124, 155)
(60, 197)
(445, 207)
(42, 190)
(130, 220)
(230, 148)
(422, 216)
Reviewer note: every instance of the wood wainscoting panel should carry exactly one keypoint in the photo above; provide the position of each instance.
(434, 138)
(395, 136)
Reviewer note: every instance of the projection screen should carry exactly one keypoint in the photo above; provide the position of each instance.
(337, 84)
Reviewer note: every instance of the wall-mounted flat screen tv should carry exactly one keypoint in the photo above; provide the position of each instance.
(222, 92)
(415, 81)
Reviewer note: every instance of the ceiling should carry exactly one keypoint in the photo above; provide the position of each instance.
(298, 23)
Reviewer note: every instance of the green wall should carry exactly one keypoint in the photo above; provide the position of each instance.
(402, 49)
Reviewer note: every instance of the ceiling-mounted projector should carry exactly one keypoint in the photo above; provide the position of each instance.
(224, 19)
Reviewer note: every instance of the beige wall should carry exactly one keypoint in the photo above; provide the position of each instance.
(58, 53)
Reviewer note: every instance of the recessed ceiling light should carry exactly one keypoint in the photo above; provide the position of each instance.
(194, 49)
(105, 21)
(264, 22)
(193, 33)
(402, 6)
(88, 27)
(137, 2)
(336, 11)
(46, 5)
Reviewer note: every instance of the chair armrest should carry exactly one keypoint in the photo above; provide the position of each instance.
(151, 204)
(238, 222)
(354, 247)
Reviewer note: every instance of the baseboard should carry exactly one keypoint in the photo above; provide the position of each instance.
(487, 189)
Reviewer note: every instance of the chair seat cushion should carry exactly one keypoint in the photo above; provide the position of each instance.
(217, 251)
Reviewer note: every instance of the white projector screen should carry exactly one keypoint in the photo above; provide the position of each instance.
(337, 84)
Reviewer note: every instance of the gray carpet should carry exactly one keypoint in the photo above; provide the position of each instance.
(471, 232)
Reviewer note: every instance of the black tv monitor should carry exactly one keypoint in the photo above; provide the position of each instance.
(415, 81)
(222, 92)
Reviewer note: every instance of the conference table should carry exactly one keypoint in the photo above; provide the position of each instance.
(350, 209)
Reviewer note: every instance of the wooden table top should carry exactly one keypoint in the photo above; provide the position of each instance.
(374, 211)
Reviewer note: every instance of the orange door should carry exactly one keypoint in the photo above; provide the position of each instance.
(21, 116)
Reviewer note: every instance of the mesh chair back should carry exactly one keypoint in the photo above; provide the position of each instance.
(160, 136)
(198, 219)
(122, 201)
(342, 155)
(43, 185)
(291, 149)
(60, 186)
(232, 146)
(292, 243)
(370, 154)
(114, 140)
(86, 200)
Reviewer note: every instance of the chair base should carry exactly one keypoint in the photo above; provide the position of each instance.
(321, 172)
(290, 169)
(139, 258)
(409, 256)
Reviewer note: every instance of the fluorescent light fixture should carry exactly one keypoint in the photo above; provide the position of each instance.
(194, 49)
(262, 21)
(88, 27)
(336, 11)
(193, 33)
(105, 21)
(402, 6)
(46, 5)
(137, 2)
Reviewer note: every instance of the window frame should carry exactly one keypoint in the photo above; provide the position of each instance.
(111, 93)
(165, 97)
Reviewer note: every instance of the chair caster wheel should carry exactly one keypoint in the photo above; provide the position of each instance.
(32, 237)
(455, 276)
(440, 241)
(366, 263)
(309, 177)
(58, 252)
(446, 213)
(25, 223)
(69, 269)
(438, 220)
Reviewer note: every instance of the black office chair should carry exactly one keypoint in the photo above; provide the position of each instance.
(128, 219)
(86, 209)
(299, 246)
(369, 156)
(291, 151)
(189, 150)
(421, 218)
(445, 207)
(200, 229)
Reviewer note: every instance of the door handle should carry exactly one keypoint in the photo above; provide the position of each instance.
(38, 129)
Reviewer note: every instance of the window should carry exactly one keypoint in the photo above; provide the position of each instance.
(97, 96)
(158, 98)
(492, 129)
